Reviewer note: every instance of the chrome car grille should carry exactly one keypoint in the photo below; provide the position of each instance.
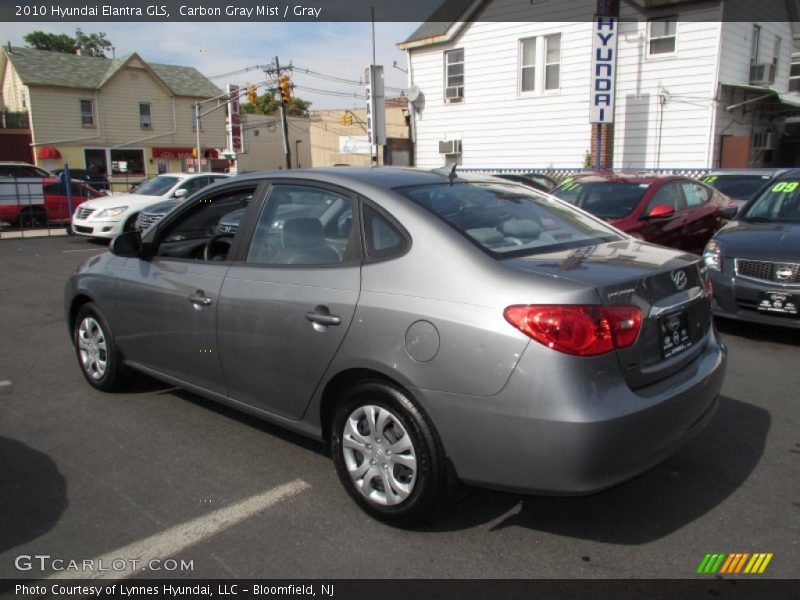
(146, 221)
(83, 212)
(771, 272)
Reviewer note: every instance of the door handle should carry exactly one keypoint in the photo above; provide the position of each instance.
(199, 298)
(321, 316)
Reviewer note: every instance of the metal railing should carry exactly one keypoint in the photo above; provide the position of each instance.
(26, 212)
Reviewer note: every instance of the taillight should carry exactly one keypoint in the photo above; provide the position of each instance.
(583, 330)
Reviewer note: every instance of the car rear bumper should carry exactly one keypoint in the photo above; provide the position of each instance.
(584, 435)
(738, 297)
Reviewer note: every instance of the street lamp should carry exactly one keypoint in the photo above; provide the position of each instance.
(296, 153)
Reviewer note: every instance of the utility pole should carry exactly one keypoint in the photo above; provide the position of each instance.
(286, 148)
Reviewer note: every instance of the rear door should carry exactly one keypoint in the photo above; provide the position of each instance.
(286, 308)
(702, 215)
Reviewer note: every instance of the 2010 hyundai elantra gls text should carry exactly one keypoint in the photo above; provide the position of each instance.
(427, 326)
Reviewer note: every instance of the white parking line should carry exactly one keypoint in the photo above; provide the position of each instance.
(98, 250)
(168, 543)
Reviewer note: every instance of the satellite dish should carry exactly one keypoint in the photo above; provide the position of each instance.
(413, 93)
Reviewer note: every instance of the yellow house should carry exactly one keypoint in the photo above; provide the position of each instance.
(123, 117)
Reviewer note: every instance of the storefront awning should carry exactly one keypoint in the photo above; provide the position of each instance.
(48, 152)
(779, 102)
(173, 152)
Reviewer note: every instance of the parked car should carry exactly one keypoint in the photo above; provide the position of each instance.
(94, 178)
(537, 181)
(425, 326)
(31, 202)
(22, 170)
(106, 217)
(754, 260)
(677, 212)
(741, 185)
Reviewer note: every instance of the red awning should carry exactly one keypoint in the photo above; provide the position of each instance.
(211, 153)
(47, 152)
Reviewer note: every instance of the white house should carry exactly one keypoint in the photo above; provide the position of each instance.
(506, 84)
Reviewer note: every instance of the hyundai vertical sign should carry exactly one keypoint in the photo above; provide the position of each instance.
(234, 122)
(376, 107)
(604, 67)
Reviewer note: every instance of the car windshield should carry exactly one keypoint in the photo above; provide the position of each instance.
(509, 220)
(739, 187)
(780, 202)
(157, 186)
(604, 199)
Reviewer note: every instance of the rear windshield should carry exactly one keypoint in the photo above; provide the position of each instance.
(740, 187)
(604, 199)
(778, 203)
(509, 220)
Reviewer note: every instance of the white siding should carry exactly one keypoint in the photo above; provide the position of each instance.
(498, 126)
(736, 41)
(665, 103)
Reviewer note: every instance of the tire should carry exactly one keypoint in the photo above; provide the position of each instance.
(97, 353)
(30, 219)
(407, 454)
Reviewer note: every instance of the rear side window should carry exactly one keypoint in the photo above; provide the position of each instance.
(383, 239)
(694, 193)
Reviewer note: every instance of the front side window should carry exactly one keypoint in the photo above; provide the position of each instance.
(527, 65)
(145, 122)
(552, 65)
(130, 162)
(156, 186)
(194, 235)
(87, 113)
(668, 195)
(508, 220)
(194, 184)
(302, 225)
(454, 75)
(662, 34)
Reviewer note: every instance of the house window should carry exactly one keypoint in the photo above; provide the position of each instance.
(124, 161)
(144, 116)
(194, 122)
(454, 75)
(661, 35)
(527, 65)
(87, 113)
(552, 65)
(776, 51)
(794, 77)
(754, 43)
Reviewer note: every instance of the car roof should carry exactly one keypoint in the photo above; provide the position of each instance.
(381, 177)
(622, 177)
(754, 171)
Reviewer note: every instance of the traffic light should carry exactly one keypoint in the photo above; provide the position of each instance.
(285, 87)
(252, 96)
(346, 119)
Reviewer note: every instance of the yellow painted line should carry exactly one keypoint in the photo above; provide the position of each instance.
(759, 558)
(753, 559)
(765, 563)
(728, 561)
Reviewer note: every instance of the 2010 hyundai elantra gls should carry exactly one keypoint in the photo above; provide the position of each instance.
(427, 326)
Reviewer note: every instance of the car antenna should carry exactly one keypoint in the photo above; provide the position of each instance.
(452, 174)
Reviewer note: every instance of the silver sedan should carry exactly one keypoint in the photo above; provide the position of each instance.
(426, 326)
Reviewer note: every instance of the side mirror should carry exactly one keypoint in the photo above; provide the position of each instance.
(660, 211)
(180, 193)
(127, 244)
(730, 212)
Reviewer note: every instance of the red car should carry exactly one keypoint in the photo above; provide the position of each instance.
(35, 202)
(678, 212)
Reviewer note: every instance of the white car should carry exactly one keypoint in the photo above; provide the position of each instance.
(106, 217)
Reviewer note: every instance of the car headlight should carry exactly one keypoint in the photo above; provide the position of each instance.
(712, 255)
(111, 212)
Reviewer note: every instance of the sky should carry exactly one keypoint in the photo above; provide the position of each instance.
(341, 49)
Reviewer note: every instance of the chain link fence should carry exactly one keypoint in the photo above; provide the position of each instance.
(35, 207)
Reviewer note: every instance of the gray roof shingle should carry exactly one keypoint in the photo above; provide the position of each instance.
(40, 67)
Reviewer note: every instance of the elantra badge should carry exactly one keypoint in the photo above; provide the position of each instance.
(679, 279)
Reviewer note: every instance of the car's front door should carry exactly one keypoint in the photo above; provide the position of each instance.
(667, 230)
(167, 306)
(285, 309)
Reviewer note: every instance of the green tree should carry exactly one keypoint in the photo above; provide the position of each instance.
(92, 44)
(266, 104)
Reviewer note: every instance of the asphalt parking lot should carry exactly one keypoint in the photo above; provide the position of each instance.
(85, 475)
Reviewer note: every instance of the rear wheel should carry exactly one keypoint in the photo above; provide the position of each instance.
(98, 357)
(31, 218)
(387, 454)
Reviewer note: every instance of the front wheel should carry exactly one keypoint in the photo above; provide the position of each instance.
(98, 356)
(387, 454)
